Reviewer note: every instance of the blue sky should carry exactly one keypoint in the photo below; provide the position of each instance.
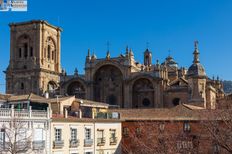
(165, 24)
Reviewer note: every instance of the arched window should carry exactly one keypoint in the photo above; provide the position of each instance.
(76, 88)
(109, 77)
(20, 52)
(49, 51)
(53, 55)
(22, 86)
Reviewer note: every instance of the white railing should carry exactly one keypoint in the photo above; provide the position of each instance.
(38, 113)
(18, 113)
(29, 113)
(5, 112)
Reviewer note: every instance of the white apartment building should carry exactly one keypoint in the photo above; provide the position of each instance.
(24, 131)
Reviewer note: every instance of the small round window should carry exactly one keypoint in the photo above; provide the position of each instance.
(146, 102)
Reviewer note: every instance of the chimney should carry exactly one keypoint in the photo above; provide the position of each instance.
(46, 95)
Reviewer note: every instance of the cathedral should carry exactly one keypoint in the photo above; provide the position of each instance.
(121, 81)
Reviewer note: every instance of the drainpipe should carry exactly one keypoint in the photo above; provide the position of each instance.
(94, 150)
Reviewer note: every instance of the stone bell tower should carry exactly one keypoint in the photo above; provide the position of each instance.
(34, 58)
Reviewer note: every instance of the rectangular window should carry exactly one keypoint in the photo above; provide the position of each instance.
(38, 134)
(100, 133)
(186, 126)
(113, 138)
(88, 152)
(58, 134)
(112, 133)
(138, 132)
(73, 134)
(2, 135)
(87, 133)
(161, 126)
(126, 131)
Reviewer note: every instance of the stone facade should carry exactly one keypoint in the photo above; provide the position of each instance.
(119, 81)
(34, 58)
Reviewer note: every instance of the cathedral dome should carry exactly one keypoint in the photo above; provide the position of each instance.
(196, 69)
(171, 62)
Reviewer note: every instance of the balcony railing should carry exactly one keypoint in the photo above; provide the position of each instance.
(107, 115)
(18, 146)
(39, 113)
(101, 141)
(23, 145)
(38, 145)
(74, 143)
(23, 113)
(113, 140)
(5, 112)
(58, 144)
(88, 142)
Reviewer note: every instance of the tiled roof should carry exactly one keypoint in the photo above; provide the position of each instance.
(178, 113)
(38, 99)
(29, 97)
(4, 96)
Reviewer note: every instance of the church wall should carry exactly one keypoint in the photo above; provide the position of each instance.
(170, 96)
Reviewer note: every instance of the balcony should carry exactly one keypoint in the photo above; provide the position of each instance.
(88, 142)
(38, 145)
(12, 113)
(74, 143)
(58, 144)
(113, 140)
(101, 141)
(18, 146)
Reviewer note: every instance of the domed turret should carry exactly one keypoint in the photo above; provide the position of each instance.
(171, 62)
(197, 79)
(196, 69)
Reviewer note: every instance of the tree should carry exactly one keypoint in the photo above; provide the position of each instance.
(152, 137)
(219, 127)
(15, 137)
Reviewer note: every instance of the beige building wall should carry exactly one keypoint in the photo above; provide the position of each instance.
(84, 146)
